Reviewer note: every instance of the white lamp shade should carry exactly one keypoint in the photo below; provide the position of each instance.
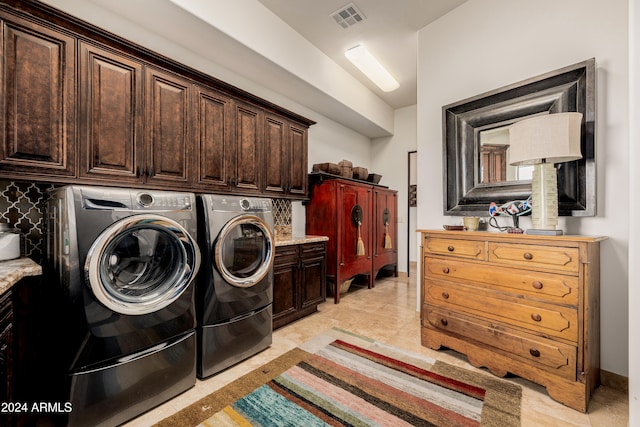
(551, 138)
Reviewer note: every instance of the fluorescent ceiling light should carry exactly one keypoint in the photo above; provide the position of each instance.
(369, 65)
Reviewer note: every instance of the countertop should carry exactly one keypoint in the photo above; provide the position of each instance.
(297, 240)
(13, 270)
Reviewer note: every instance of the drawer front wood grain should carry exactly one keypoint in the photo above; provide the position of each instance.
(456, 248)
(558, 321)
(555, 288)
(552, 356)
(556, 258)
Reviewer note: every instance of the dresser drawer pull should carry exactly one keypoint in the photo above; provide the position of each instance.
(445, 295)
(536, 317)
(534, 352)
(528, 256)
(445, 270)
(450, 248)
(444, 322)
(537, 285)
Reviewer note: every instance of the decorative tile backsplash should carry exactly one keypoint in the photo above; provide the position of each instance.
(282, 216)
(22, 205)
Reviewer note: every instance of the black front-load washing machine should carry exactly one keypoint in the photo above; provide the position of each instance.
(124, 264)
(235, 283)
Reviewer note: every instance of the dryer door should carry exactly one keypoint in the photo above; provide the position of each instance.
(244, 251)
(141, 264)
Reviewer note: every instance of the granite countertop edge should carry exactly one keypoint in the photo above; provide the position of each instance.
(11, 271)
(297, 240)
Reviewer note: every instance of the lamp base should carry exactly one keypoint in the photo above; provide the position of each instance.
(540, 232)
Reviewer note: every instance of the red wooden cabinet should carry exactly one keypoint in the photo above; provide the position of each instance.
(334, 209)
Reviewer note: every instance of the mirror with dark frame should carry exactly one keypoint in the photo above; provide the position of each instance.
(476, 143)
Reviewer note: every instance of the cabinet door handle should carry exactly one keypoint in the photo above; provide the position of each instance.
(444, 322)
(139, 172)
(537, 285)
(445, 295)
(534, 352)
(536, 317)
(450, 248)
(445, 270)
(150, 172)
(528, 256)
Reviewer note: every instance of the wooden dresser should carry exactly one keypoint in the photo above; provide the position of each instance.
(523, 304)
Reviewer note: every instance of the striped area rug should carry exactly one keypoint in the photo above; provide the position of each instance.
(361, 383)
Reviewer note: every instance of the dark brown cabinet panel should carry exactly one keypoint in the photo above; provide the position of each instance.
(285, 284)
(286, 157)
(167, 130)
(213, 132)
(111, 115)
(37, 100)
(299, 281)
(277, 149)
(247, 157)
(298, 167)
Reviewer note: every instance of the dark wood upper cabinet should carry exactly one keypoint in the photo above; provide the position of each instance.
(111, 115)
(247, 155)
(286, 157)
(37, 97)
(82, 105)
(167, 133)
(213, 133)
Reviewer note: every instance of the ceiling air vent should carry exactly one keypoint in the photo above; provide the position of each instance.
(347, 16)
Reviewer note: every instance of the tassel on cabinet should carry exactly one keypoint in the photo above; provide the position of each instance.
(387, 237)
(360, 246)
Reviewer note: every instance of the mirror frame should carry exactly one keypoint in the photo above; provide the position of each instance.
(570, 88)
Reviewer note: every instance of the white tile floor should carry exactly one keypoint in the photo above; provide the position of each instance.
(388, 313)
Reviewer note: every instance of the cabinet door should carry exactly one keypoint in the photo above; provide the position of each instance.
(277, 155)
(285, 285)
(213, 121)
(37, 97)
(298, 168)
(350, 235)
(285, 158)
(385, 231)
(111, 115)
(248, 149)
(313, 279)
(167, 128)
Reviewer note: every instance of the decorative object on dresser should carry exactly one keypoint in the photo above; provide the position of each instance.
(523, 304)
(353, 249)
(542, 141)
(299, 280)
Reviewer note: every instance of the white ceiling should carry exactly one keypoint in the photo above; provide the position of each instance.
(389, 31)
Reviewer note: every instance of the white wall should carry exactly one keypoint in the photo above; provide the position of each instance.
(389, 158)
(486, 44)
(634, 245)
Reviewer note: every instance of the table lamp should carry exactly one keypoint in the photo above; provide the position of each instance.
(543, 141)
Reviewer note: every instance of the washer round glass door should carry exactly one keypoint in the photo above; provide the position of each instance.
(244, 251)
(141, 264)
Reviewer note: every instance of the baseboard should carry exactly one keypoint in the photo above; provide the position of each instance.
(615, 381)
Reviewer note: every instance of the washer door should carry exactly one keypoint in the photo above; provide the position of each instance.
(141, 264)
(243, 251)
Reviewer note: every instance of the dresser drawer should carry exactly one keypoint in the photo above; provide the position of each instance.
(554, 288)
(549, 355)
(455, 248)
(556, 258)
(545, 319)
